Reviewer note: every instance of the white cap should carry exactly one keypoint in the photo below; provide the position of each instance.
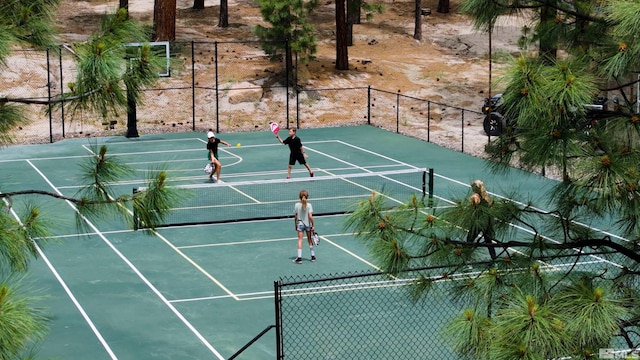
(210, 135)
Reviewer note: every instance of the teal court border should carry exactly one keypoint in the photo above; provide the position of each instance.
(204, 291)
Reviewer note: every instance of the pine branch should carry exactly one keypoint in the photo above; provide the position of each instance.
(56, 100)
(77, 201)
(577, 245)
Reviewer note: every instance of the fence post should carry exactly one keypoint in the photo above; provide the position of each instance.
(398, 112)
(215, 54)
(430, 187)
(369, 105)
(278, 302)
(61, 90)
(193, 86)
(49, 98)
(428, 121)
(462, 142)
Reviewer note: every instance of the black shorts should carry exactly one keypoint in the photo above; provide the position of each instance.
(296, 157)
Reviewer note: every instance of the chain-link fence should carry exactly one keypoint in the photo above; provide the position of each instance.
(372, 315)
(223, 86)
(360, 316)
(331, 107)
(24, 77)
(421, 118)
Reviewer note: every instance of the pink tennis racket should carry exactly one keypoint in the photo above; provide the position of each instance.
(274, 127)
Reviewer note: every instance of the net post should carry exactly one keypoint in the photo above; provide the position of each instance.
(424, 175)
(430, 186)
(136, 221)
(277, 296)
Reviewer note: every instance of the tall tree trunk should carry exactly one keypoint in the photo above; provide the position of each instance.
(124, 4)
(417, 32)
(353, 17)
(342, 54)
(349, 33)
(354, 12)
(223, 20)
(132, 120)
(164, 20)
(443, 6)
(357, 12)
(198, 4)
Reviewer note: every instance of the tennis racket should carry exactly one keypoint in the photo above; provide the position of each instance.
(274, 127)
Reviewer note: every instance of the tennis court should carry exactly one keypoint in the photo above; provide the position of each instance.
(203, 291)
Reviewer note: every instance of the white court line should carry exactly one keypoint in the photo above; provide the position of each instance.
(151, 152)
(172, 151)
(391, 159)
(195, 264)
(234, 243)
(378, 154)
(520, 203)
(55, 273)
(554, 215)
(66, 157)
(326, 240)
(400, 163)
(268, 294)
(393, 282)
(139, 143)
(227, 176)
(449, 179)
(188, 178)
(365, 170)
(223, 159)
(446, 200)
(260, 295)
(135, 270)
(254, 202)
(66, 289)
(517, 202)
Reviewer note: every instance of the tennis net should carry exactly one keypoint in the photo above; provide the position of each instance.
(272, 199)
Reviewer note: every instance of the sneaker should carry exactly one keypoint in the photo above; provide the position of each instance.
(311, 174)
(288, 177)
(313, 259)
(297, 261)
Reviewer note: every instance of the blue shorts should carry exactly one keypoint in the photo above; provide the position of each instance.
(302, 227)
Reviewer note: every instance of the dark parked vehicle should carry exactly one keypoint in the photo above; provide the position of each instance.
(495, 122)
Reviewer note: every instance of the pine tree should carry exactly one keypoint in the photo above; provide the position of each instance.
(511, 305)
(103, 70)
(291, 33)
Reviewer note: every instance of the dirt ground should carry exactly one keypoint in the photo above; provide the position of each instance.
(449, 65)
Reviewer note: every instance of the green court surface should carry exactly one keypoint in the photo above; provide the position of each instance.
(204, 291)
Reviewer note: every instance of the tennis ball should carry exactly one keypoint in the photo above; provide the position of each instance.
(238, 144)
